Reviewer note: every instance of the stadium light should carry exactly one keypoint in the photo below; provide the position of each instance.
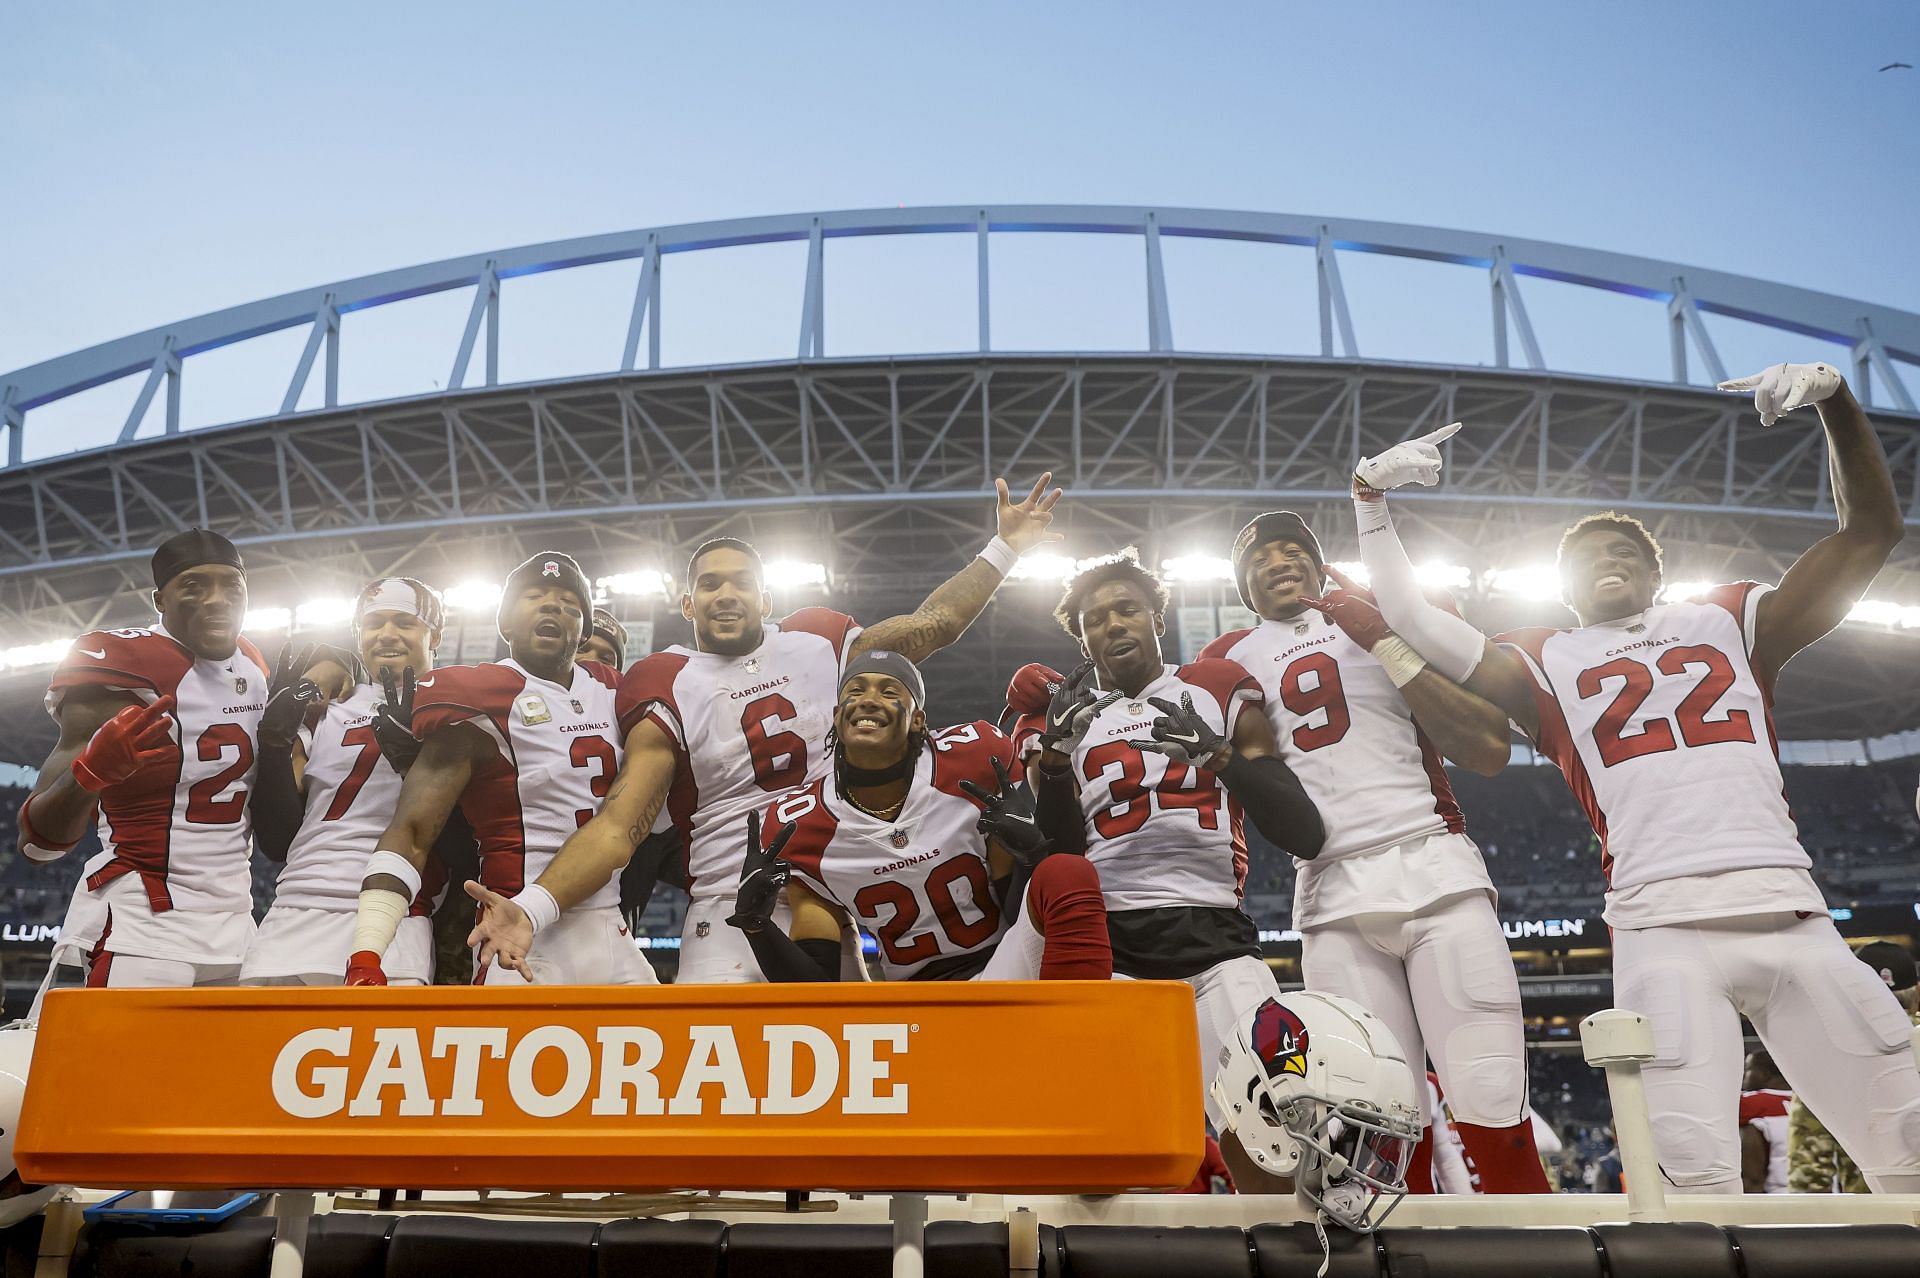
(1196, 568)
(267, 621)
(1878, 612)
(640, 584)
(473, 596)
(1541, 582)
(785, 574)
(34, 654)
(323, 612)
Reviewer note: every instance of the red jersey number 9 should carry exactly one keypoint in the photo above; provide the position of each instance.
(779, 754)
(1326, 695)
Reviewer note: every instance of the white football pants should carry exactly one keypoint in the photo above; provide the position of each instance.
(1835, 1031)
(1442, 982)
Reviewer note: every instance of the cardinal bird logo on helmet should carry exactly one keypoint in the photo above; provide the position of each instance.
(1280, 1040)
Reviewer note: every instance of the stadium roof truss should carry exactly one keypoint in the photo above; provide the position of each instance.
(879, 465)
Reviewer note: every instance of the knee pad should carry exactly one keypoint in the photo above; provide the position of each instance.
(1485, 1072)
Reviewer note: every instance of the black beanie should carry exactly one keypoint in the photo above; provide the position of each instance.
(604, 624)
(190, 549)
(1263, 529)
(551, 567)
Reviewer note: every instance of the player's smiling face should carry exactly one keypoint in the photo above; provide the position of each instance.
(875, 718)
(392, 640)
(1121, 634)
(542, 624)
(1607, 574)
(726, 602)
(203, 607)
(1279, 573)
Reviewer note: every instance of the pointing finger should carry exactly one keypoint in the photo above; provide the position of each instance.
(1340, 578)
(1742, 383)
(1442, 435)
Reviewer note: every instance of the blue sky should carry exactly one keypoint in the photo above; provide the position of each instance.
(164, 161)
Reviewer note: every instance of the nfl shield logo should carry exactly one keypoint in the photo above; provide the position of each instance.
(577, 707)
(240, 685)
(702, 928)
(751, 665)
(1301, 628)
(1637, 628)
(1136, 707)
(550, 569)
(898, 838)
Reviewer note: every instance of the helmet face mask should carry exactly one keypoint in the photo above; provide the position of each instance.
(1316, 1089)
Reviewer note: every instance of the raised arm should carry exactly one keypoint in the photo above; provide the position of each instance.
(1820, 589)
(1466, 728)
(945, 614)
(57, 813)
(589, 858)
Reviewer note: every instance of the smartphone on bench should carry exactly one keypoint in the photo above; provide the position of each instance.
(173, 1206)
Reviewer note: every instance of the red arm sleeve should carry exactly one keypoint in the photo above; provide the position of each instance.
(648, 688)
(837, 628)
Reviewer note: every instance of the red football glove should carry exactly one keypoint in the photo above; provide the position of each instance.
(131, 740)
(363, 968)
(1031, 689)
(1351, 609)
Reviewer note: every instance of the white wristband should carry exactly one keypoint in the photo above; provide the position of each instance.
(392, 863)
(1397, 657)
(542, 910)
(1000, 555)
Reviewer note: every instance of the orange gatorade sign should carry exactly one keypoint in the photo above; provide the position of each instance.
(1040, 1086)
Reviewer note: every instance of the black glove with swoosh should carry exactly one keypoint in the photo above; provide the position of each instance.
(1073, 709)
(393, 721)
(1181, 734)
(763, 877)
(288, 697)
(1007, 817)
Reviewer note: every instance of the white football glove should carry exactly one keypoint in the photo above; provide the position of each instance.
(1417, 461)
(1783, 388)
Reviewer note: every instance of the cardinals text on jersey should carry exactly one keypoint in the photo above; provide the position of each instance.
(1379, 783)
(556, 750)
(1162, 833)
(745, 728)
(920, 884)
(181, 827)
(1665, 735)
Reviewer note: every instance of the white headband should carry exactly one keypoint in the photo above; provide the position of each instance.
(393, 594)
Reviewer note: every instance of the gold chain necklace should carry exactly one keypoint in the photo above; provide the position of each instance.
(887, 813)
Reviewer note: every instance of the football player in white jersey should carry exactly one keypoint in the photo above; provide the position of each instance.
(1660, 717)
(527, 748)
(1397, 911)
(339, 782)
(157, 734)
(714, 731)
(1150, 769)
(917, 836)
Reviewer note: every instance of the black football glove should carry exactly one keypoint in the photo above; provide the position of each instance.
(1072, 711)
(763, 877)
(1007, 818)
(289, 696)
(1181, 734)
(393, 721)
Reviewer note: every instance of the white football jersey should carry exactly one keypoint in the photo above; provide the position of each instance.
(745, 728)
(556, 751)
(180, 825)
(919, 883)
(1351, 738)
(351, 794)
(1766, 1111)
(1664, 733)
(1163, 834)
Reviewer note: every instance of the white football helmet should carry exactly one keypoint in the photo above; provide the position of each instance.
(1316, 1088)
(18, 1199)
